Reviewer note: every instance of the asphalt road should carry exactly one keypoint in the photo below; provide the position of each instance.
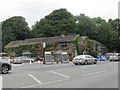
(0, 82)
(104, 74)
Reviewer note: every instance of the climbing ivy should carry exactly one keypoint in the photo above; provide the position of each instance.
(89, 45)
(78, 48)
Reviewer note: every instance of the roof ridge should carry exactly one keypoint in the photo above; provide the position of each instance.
(49, 37)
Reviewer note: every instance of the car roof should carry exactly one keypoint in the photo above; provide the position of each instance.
(82, 55)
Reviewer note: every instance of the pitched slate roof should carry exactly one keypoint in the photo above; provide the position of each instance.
(96, 42)
(57, 39)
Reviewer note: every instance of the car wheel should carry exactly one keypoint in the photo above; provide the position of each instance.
(110, 60)
(76, 63)
(86, 62)
(95, 62)
(5, 69)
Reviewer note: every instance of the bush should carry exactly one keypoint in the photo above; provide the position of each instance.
(93, 53)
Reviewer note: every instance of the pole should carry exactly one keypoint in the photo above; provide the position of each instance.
(44, 55)
(44, 45)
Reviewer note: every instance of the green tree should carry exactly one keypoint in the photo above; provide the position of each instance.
(106, 35)
(14, 28)
(85, 26)
(114, 23)
(56, 23)
(100, 30)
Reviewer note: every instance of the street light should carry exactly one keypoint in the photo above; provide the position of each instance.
(44, 45)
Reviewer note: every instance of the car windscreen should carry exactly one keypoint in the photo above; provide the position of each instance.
(79, 56)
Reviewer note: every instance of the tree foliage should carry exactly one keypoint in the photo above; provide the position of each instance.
(14, 28)
(100, 30)
(56, 23)
(107, 35)
(85, 26)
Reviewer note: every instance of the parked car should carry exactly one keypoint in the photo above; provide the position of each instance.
(5, 66)
(17, 60)
(7, 59)
(84, 59)
(26, 59)
(115, 57)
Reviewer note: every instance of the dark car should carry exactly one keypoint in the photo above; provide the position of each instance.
(5, 66)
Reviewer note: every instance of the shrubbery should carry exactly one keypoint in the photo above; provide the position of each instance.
(93, 53)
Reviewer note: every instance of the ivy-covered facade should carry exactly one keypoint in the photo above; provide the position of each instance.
(72, 44)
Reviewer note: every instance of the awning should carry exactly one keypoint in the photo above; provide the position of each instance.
(26, 53)
(58, 52)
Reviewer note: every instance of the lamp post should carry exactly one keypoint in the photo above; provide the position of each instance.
(44, 45)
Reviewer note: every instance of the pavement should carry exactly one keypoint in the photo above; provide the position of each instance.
(104, 74)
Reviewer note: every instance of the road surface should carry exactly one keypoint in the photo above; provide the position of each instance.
(104, 74)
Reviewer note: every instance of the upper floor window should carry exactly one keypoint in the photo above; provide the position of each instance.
(62, 46)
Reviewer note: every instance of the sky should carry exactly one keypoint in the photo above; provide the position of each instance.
(34, 10)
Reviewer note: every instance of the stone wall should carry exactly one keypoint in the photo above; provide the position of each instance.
(69, 49)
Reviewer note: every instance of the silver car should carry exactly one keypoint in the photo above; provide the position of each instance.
(17, 60)
(26, 59)
(7, 58)
(84, 59)
(5, 66)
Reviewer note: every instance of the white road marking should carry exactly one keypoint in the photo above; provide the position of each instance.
(0, 82)
(40, 83)
(45, 83)
(60, 74)
(35, 79)
(94, 73)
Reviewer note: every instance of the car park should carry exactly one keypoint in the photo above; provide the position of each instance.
(115, 57)
(5, 66)
(84, 59)
(17, 60)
